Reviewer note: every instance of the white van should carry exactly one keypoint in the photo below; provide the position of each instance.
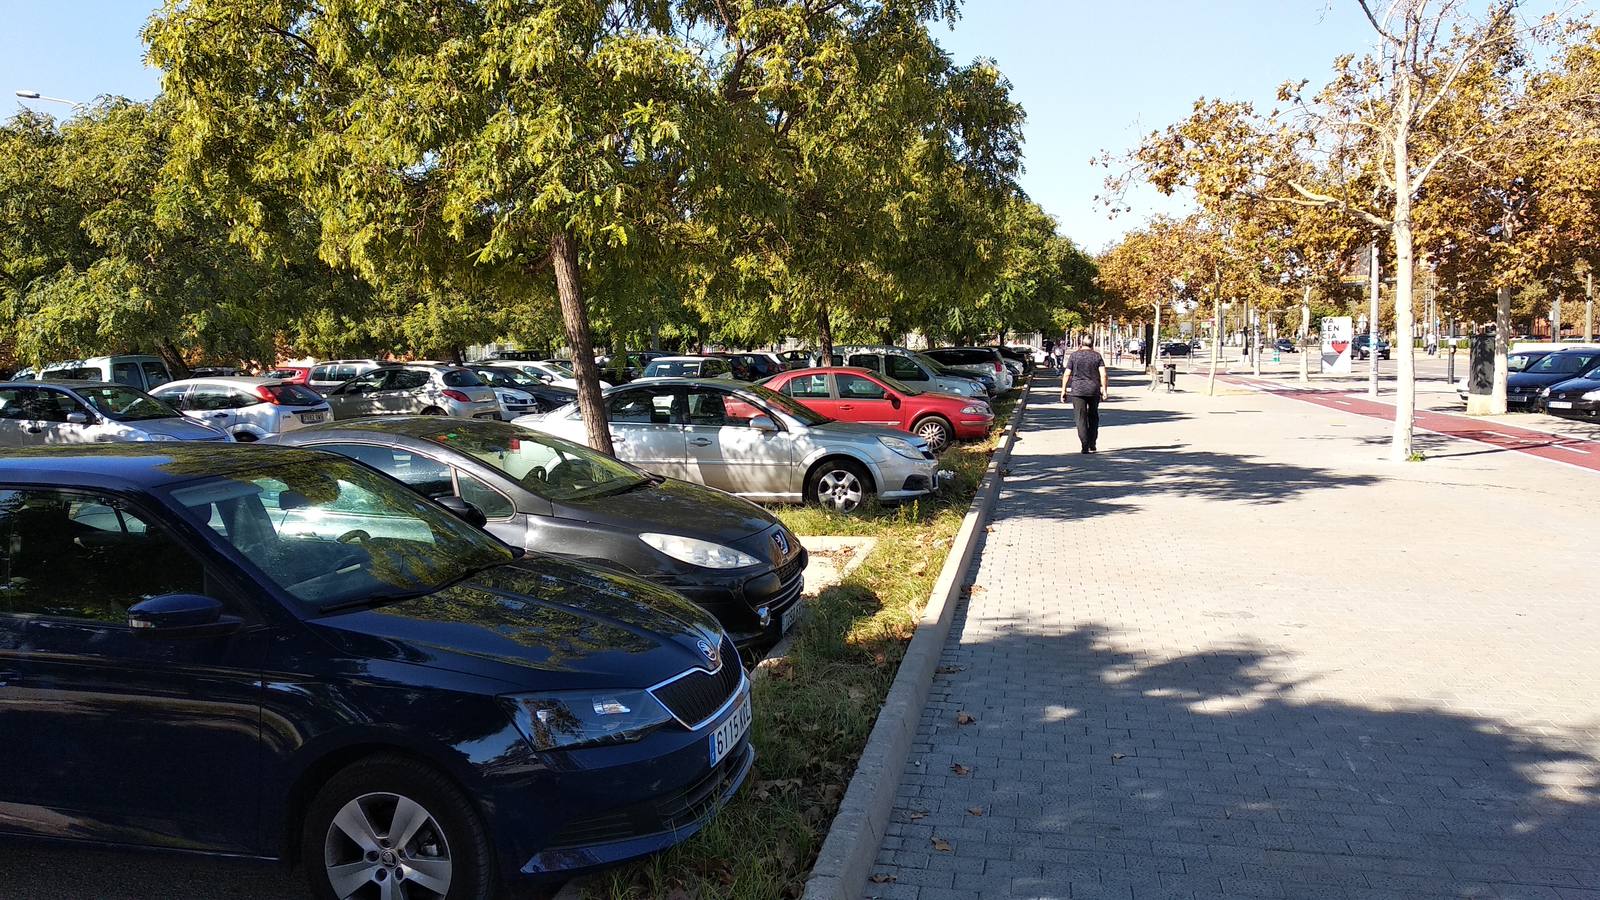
(145, 373)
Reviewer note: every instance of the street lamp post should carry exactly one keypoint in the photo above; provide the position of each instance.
(35, 95)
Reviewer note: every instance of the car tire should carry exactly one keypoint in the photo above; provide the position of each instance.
(244, 437)
(839, 484)
(346, 845)
(433, 411)
(938, 432)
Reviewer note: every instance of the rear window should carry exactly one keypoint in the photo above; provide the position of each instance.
(461, 378)
(282, 373)
(660, 369)
(293, 395)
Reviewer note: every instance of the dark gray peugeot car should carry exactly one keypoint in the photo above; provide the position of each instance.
(550, 495)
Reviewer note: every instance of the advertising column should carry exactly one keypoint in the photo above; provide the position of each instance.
(1336, 334)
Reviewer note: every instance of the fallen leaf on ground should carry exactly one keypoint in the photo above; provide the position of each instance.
(949, 670)
(959, 769)
(965, 718)
(1117, 756)
(942, 845)
(917, 814)
(881, 878)
(974, 810)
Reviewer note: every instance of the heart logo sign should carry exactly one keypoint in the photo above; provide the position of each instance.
(1339, 346)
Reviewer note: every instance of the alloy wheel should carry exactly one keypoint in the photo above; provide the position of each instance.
(935, 433)
(839, 490)
(386, 847)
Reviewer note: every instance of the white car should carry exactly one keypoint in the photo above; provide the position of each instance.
(46, 412)
(687, 367)
(247, 408)
(557, 372)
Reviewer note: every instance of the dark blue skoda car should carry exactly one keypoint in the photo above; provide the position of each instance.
(278, 653)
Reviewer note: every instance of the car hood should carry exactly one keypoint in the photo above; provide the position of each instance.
(1537, 379)
(858, 432)
(1587, 383)
(538, 623)
(674, 507)
(181, 427)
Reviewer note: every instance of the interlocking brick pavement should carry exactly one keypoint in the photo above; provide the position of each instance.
(1239, 654)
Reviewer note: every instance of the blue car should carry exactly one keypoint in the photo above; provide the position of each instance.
(1526, 389)
(278, 653)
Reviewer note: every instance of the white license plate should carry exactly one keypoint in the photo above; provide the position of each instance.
(1515, 399)
(1560, 404)
(787, 618)
(727, 735)
(312, 418)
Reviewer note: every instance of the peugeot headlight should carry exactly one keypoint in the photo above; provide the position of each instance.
(901, 446)
(699, 553)
(155, 436)
(567, 720)
(975, 410)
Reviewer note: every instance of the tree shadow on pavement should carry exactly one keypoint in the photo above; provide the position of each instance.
(1217, 774)
(1079, 486)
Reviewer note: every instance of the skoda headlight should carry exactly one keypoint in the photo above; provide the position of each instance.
(567, 720)
(699, 553)
(901, 446)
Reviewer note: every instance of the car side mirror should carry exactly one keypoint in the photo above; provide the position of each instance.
(463, 510)
(77, 418)
(894, 401)
(763, 423)
(180, 616)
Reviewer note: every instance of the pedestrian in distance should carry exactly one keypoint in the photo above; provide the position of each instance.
(1086, 383)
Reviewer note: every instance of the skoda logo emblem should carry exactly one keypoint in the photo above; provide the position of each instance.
(780, 542)
(708, 651)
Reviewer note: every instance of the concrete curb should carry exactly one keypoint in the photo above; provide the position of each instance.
(851, 847)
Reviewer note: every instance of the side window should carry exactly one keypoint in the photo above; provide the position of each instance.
(319, 373)
(865, 361)
(814, 387)
(206, 398)
(178, 398)
(903, 369)
(84, 557)
(707, 408)
(494, 504)
(52, 406)
(17, 403)
(241, 399)
(125, 373)
(854, 387)
(423, 474)
(643, 407)
(408, 380)
(365, 384)
(155, 375)
(343, 373)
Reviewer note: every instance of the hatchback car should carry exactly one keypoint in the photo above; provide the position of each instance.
(37, 413)
(549, 495)
(860, 395)
(429, 390)
(1517, 361)
(289, 374)
(1578, 397)
(976, 361)
(1361, 347)
(909, 368)
(142, 373)
(754, 442)
(1525, 389)
(247, 408)
(301, 659)
(326, 376)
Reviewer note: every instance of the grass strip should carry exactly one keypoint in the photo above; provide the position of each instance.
(815, 710)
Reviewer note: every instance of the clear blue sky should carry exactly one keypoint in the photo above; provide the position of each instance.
(1093, 76)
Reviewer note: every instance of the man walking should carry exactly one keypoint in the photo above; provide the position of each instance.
(1085, 381)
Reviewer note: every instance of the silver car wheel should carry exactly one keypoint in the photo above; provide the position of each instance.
(839, 490)
(387, 847)
(935, 433)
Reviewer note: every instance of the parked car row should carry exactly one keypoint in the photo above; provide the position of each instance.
(1562, 382)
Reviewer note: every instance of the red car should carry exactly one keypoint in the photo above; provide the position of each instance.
(862, 395)
(290, 374)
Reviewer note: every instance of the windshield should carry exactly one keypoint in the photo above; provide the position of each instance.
(546, 466)
(508, 378)
(659, 369)
(121, 404)
(1519, 362)
(900, 386)
(559, 365)
(332, 533)
(787, 405)
(1563, 364)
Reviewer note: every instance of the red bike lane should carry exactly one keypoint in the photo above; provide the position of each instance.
(1542, 444)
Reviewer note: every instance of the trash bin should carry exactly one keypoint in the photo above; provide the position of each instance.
(1169, 375)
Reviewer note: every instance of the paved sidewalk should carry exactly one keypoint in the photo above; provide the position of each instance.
(1239, 654)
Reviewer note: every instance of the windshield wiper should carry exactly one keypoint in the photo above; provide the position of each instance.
(373, 601)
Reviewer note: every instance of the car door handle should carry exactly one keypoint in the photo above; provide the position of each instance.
(219, 415)
(618, 439)
(847, 406)
(700, 442)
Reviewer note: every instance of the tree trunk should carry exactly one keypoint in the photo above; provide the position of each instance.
(1555, 319)
(1305, 333)
(1502, 344)
(173, 359)
(1255, 340)
(1374, 334)
(1588, 311)
(824, 333)
(1155, 344)
(575, 317)
(1405, 394)
(1216, 340)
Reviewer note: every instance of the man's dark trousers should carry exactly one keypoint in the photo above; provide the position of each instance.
(1086, 411)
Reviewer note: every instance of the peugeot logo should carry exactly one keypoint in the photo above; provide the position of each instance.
(708, 651)
(781, 542)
